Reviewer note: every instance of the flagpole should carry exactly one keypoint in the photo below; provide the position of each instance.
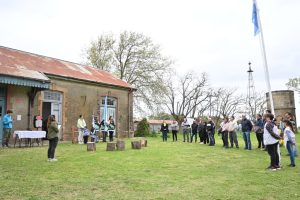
(265, 63)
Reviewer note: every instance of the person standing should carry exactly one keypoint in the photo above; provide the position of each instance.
(206, 138)
(259, 130)
(111, 128)
(185, 130)
(174, 128)
(201, 131)
(232, 126)
(164, 129)
(52, 137)
(194, 130)
(290, 117)
(290, 140)
(225, 132)
(104, 128)
(7, 127)
(210, 128)
(271, 140)
(246, 129)
(81, 125)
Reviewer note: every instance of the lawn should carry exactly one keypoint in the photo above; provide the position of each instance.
(160, 171)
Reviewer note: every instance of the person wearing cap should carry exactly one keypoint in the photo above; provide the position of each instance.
(7, 126)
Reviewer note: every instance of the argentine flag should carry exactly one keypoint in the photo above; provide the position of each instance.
(255, 18)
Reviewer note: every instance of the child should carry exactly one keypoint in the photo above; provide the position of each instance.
(289, 137)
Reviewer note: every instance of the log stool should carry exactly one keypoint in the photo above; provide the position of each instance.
(136, 144)
(120, 145)
(111, 146)
(91, 146)
(144, 142)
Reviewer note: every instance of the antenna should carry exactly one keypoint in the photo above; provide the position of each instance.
(250, 92)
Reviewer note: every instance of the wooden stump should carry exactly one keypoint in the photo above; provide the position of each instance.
(136, 144)
(91, 146)
(120, 145)
(111, 146)
(144, 142)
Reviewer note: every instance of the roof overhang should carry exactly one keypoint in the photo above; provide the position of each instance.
(22, 81)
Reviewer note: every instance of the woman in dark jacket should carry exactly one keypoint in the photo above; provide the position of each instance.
(259, 130)
(165, 130)
(52, 137)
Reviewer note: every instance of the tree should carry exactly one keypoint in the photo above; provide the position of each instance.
(256, 105)
(143, 128)
(227, 103)
(188, 96)
(134, 58)
(161, 116)
(294, 83)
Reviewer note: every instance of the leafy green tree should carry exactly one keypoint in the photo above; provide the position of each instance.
(143, 128)
(134, 58)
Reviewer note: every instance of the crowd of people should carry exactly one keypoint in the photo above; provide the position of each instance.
(270, 134)
(106, 128)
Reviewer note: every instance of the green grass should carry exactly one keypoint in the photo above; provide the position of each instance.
(160, 171)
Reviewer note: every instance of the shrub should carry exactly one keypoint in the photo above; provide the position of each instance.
(153, 134)
(142, 128)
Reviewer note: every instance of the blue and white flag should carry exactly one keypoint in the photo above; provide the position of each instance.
(255, 18)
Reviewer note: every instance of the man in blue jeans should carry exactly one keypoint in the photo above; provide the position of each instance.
(246, 129)
(7, 126)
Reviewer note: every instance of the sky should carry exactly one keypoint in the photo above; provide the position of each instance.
(215, 36)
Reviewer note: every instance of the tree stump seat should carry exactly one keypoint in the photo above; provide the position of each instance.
(120, 145)
(136, 144)
(91, 146)
(144, 142)
(110, 146)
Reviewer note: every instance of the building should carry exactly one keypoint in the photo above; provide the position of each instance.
(34, 85)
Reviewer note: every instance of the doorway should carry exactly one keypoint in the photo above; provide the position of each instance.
(52, 105)
(2, 109)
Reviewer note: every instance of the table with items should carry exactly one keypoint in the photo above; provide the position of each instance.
(29, 137)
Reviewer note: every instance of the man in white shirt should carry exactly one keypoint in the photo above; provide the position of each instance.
(81, 125)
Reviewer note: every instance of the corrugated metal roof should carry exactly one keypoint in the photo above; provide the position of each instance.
(23, 64)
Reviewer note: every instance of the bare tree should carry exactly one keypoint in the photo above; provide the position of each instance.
(227, 103)
(188, 96)
(256, 105)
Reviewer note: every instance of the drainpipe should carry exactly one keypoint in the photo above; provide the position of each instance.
(129, 111)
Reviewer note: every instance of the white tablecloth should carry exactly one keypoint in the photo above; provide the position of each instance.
(30, 134)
